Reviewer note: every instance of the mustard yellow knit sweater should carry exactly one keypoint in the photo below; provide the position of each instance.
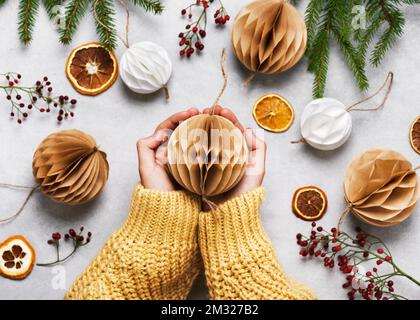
(156, 253)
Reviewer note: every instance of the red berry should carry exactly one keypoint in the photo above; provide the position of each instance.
(375, 270)
(387, 258)
(50, 242)
(380, 250)
(379, 262)
(368, 274)
(183, 11)
(195, 29)
(56, 236)
(202, 33)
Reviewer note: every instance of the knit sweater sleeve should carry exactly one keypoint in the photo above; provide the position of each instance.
(239, 260)
(154, 255)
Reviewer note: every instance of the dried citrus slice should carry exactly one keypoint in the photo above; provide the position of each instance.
(91, 68)
(309, 203)
(415, 135)
(273, 113)
(17, 258)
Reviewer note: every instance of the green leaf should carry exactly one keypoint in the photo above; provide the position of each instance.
(75, 10)
(28, 11)
(154, 6)
(105, 27)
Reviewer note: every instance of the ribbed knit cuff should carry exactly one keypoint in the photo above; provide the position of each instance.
(239, 260)
(234, 228)
(162, 217)
(154, 255)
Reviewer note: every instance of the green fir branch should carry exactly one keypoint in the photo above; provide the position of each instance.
(318, 57)
(154, 6)
(105, 27)
(75, 10)
(312, 16)
(50, 6)
(396, 22)
(28, 11)
(2, 2)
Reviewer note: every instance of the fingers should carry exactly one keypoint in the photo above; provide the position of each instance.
(146, 150)
(173, 121)
(225, 113)
(257, 156)
(254, 143)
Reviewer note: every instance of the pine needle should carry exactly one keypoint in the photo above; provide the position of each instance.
(154, 6)
(51, 5)
(75, 10)
(28, 11)
(104, 10)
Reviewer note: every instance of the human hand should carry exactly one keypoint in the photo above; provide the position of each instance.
(255, 169)
(153, 174)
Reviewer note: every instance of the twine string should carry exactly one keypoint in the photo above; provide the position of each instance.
(301, 140)
(343, 216)
(225, 80)
(387, 84)
(249, 79)
(127, 23)
(25, 202)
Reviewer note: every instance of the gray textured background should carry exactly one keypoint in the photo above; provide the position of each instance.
(118, 117)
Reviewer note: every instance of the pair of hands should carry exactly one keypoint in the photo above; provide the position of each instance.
(154, 175)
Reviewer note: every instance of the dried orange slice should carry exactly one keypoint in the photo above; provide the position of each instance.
(273, 113)
(17, 258)
(91, 68)
(415, 135)
(309, 203)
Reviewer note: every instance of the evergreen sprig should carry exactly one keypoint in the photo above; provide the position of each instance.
(51, 5)
(75, 10)
(330, 21)
(149, 5)
(104, 14)
(103, 11)
(105, 25)
(28, 11)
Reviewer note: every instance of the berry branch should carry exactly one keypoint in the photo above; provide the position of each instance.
(40, 97)
(77, 239)
(359, 259)
(196, 29)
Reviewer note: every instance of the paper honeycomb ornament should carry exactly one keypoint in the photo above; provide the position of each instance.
(381, 187)
(269, 36)
(207, 155)
(70, 168)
